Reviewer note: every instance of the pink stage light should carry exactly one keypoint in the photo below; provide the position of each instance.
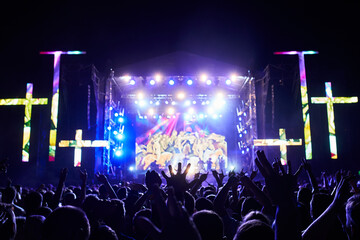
(296, 52)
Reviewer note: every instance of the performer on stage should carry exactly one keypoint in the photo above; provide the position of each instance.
(208, 164)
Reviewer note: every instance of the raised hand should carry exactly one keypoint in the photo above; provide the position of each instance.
(342, 193)
(101, 178)
(178, 180)
(152, 178)
(83, 175)
(253, 174)
(281, 188)
(280, 185)
(175, 222)
(63, 174)
(219, 177)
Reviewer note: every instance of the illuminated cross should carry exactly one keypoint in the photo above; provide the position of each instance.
(78, 143)
(282, 142)
(304, 98)
(55, 99)
(28, 101)
(329, 100)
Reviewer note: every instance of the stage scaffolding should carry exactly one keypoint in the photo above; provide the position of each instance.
(121, 92)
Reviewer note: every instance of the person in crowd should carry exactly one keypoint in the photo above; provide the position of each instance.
(279, 205)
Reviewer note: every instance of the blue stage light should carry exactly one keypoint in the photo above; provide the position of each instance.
(116, 114)
(189, 82)
(131, 168)
(115, 132)
(171, 82)
(120, 136)
(118, 152)
(121, 119)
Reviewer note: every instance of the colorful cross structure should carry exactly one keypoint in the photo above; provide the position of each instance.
(28, 102)
(282, 142)
(78, 143)
(55, 99)
(329, 100)
(304, 98)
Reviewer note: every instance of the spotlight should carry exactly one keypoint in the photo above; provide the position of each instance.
(194, 102)
(181, 95)
(201, 116)
(151, 102)
(208, 82)
(171, 111)
(166, 102)
(136, 102)
(109, 128)
(115, 132)
(110, 108)
(132, 82)
(191, 111)
(152, 82)
(173, 103)
(203, 77)
(187, 117)
(126, 77)
(118, 152)
(131, 168)
(244, 114)
(171, 82)
(187, 103)
(228, 82)
(233, 77)
(121, 120)
(142, 103)
(158, 77)
(242, 152)
(231, 168)
(151, 111)
(157, 103)
(189, 82)
(116, 114)
(214, 116)
(120, 136)
(140, 95)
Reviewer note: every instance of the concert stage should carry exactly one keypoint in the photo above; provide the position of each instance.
(157, 120)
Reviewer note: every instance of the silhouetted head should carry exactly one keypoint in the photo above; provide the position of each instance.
(353, 216)
(304, 196)
(66, 222)
(203, 204)
(69, 198)
(257, 215)
(319, 203)
(33, 227)
(209, 224)
(250, 204)
(254, 229)
(32, 202)
(8, 226)
(8, 195)
(103, 232)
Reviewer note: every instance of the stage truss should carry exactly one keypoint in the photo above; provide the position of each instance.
(122, 93)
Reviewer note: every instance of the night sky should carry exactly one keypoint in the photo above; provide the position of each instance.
(117, 33)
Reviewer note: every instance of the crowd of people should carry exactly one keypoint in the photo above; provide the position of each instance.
(266, 204)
